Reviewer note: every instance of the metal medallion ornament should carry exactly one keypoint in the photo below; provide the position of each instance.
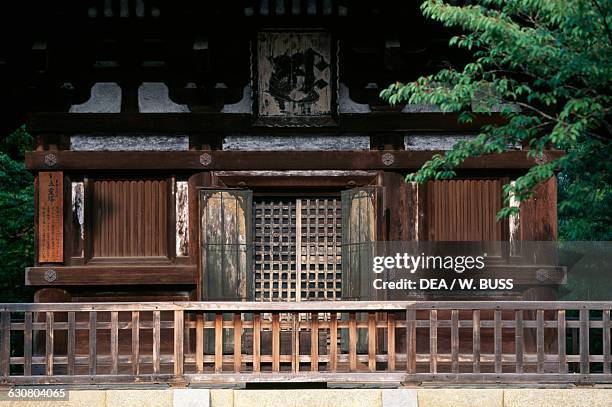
(205, 159)
(50, 160)
(50, 275)
(388, 159)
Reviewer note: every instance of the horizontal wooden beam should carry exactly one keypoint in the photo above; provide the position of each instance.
(327, 377)
(112, 275)
(189, 123)
(265, 160)
(306, 306)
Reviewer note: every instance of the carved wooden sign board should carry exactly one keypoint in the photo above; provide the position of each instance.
(295, 79)
(50, 217)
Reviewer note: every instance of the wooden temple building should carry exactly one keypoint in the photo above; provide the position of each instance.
(202, 169)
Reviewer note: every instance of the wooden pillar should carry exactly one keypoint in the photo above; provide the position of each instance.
(538, 222)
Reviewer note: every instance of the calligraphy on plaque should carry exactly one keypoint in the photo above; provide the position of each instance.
(50, 217)
(295, 79)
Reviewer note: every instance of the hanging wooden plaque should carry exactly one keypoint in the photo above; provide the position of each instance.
(50, 217)
(295, 75)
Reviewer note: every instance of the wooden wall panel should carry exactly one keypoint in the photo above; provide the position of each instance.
(464, 210)
(538, 215)
(226, 236)
(401, 211)
(129, 218)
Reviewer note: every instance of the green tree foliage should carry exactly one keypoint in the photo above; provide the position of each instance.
(16, 217)
(546, 65)
(585, 195)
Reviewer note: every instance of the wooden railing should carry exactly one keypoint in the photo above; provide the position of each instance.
(200, 342)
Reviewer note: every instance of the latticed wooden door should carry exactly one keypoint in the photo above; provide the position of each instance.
(297, 252)
(286, 249)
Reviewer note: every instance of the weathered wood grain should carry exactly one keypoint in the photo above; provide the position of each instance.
(264, 160)
(50, 217)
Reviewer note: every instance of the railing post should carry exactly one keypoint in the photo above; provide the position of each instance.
(433, 341)
(390, 341)
(352, 341)
(455, 341)
(179, 332)
(237, 342)
(295, 342)
(606, 340)
(114, 345)
(49, 344)
(584, 341)
(135, 343)
(276, 342)
(93, 355)
(561, 341)
(5, 348)
(200, 342)
(27, 345)
(314, 342)
(519, 340)
(156, 341)
(497, 339)
(540, 340)
(218, 342)
(410, 341)
(256, 342)
(71, 346)
(333, 336)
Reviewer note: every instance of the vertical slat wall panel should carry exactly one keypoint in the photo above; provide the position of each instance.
(129, 218)
(464, 210)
